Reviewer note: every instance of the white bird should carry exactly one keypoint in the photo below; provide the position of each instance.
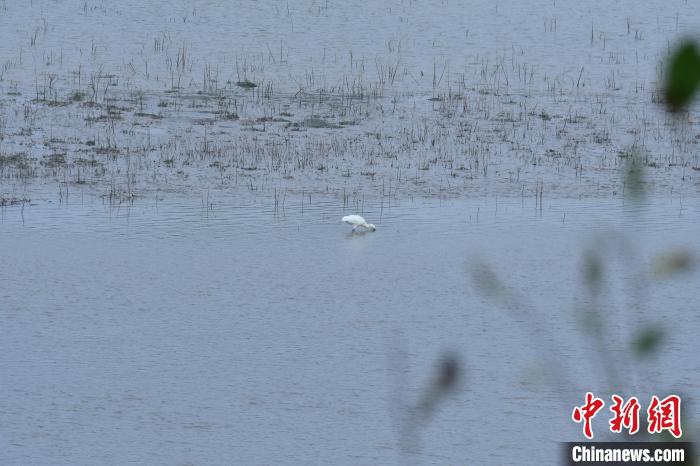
(357, 221)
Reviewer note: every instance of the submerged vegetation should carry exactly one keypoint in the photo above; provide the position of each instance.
(381, 127)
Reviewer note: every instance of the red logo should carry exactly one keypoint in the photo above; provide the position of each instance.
(661, 415)
(665, 415)
(587, 412)
(626, 416)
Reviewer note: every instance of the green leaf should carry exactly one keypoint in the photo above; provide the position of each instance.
(647, 340)
(683, 77)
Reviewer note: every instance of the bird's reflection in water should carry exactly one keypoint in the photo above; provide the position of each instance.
(357, 234)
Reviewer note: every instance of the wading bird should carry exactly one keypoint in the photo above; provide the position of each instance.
(357, 221)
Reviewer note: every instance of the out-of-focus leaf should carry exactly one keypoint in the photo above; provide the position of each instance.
(486, 280)
(449, 372)
(683, 78)
(674, 262)
(634, 178)
(447, 377)
(593, 270)
(647, 340)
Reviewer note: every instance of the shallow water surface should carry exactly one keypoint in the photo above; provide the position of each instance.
(170, 333)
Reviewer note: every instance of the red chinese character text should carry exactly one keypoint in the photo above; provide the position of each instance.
(665, 415)
(587, 412)
(626, 416)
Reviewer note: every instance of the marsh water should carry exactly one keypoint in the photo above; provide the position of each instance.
(170, 333)
(176, 286)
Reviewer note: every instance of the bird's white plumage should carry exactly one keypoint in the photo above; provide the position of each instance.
(357, 221)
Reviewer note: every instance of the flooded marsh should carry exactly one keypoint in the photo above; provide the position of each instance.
(176, 283)
(432, 107)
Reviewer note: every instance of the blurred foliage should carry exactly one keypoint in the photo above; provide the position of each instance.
(449, 372)
(674, 262)
(486, 281)
(680, 87)
(634, 178)
(683, 76)
(647, 340)
(592, 270)
(445, 379)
